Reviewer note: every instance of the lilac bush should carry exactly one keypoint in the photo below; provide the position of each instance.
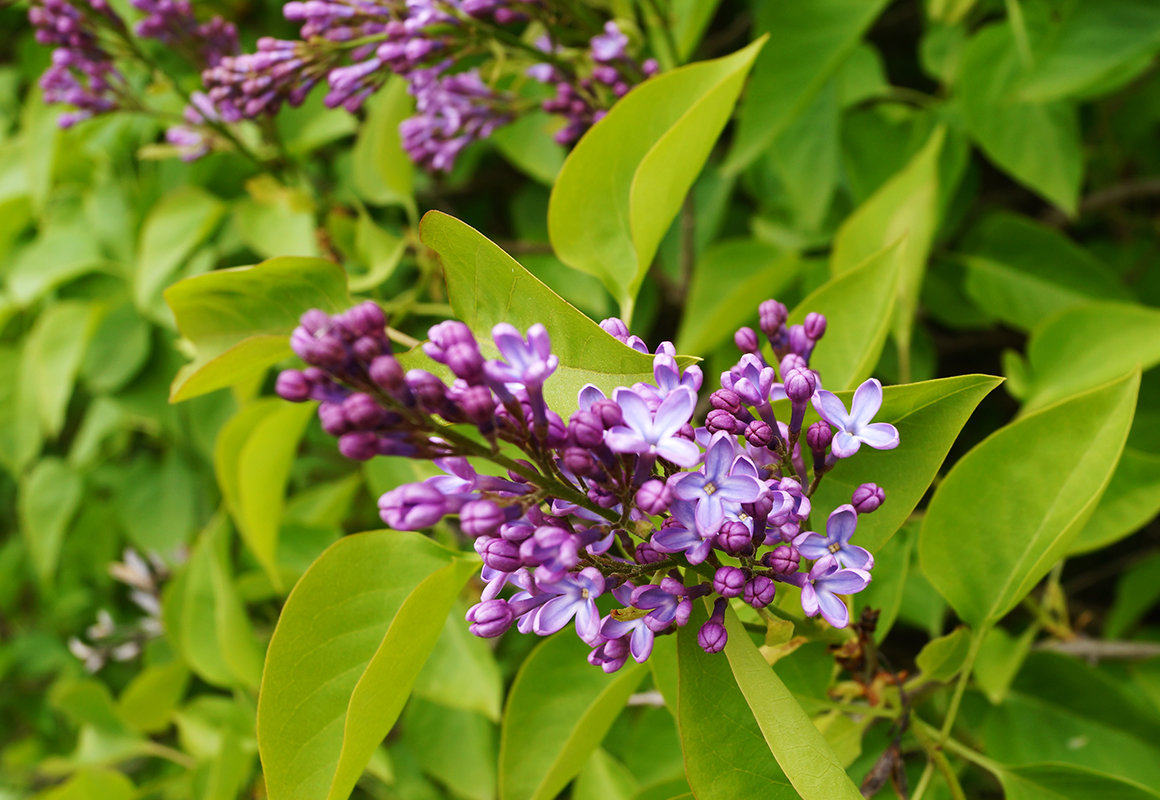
(627, 497)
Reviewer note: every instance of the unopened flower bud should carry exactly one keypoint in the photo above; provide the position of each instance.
(480, 517)
(654, 497)
(818, 437)
(362, 411)
(868, 497)
(428, 388)
(359, 446)
(499, 553)
(726, 400)
(799, 342)
(586, 429)
(292, 385)
(729, 581)
(333, 419)
(759, 433)
(412, 506)
(614, 326)
(800, 385)
(609, 413)
(773, 315)
(759, 591)
(386, 372)
(783, 560)
(814, 325)
(734, 538)
(713, 636)
(746, 340)
(647, 554)
(465, 361)
(490, 618)
(478, 405)
(579, 461)
(721, 420)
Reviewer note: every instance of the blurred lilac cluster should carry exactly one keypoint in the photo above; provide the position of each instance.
(625, 498)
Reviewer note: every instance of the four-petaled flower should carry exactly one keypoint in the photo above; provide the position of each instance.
(655, 434)
(836, 543)
(855, 428)
(575, 597)
(529, 362)
(727, 482)
(820, 590)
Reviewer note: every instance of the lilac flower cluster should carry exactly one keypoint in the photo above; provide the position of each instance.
(626, 498)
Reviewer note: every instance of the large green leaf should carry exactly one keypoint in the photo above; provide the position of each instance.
(904, 211)
(1010, 509)
(468, 768)
(621, 186)
(858, 305)
(929, 416)
(49, 496)
(806, 157)
(462, 672)
(382, 173)
(353, 635)
(811, 39)
(726, 756)
(239, 321)
(487, 286)
(1062, 782)
(557, 713)
(1023, 272)
(728, 279)
(1087, 345)
(1132, 499)
(941, 659)
(801, 750)
(106, 784)
(53, 352)
(20, 434)
(174, 227)
(253, 456)
(1038, 144)
(1096, 39)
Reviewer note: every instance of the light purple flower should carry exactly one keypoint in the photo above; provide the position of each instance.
(575, 598)
(680, 534)
(820, 590)
(529, 361)
(726, 483)
(668, 376)
(839, 528)
(610, 45)
(855, 428)
(667, 603)
(641, 636)
(645, 432)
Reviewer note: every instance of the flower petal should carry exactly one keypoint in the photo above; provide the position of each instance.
(589, 394)
(833, 609)
(809, 599)
(588, 622)
(635, 412)
(625, 440)
(879, 435)
(641, 644)
(674, 412)
(719, 456)
(855, 557)
(830, 409)
(867, 400)
(554, 615)
(841, 524)
(812, 545)
(845, 581)
(681, 452)
(844, 444)
(739, 489)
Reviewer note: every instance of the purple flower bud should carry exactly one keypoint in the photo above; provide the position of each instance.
(814, 325)
(579, 461)
(480, 517)
(333, 419)
(366, 348)
(362, 411)
(799, 342)
(586, 429)
(609, 412)
(647, 554)
(490, 618)
(428, 388)
(292, 385)
(365, 318)
(818, 437)
(746, 340)
(800, 385)
(792, 361)
(413, 506)
(729, 581)
(614, 326)
(654, 496)
(726, 400)
(387, 373)
(734, 538)
(759, 592)
(773, 315)
(713, 636)
(783, 560)
(499, 553)
(359, 446)
(478, 405)
(465, 361)
(759, 433)
(868, 497)
(721, 420)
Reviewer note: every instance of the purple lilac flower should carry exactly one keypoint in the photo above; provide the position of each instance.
(855, 428)
(728, 480)
(836, 543)
(655, 434)
(821, 587)
(575, 599)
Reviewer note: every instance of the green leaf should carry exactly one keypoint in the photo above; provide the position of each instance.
(382, 172)
(49, 496)
(800, 748)
(1011, 507)
(626, 179)
(239, 321)
(1095, 40)
(1062, 782)
(487, 286)
(156, 502)
(689, 19)
(65, 249)
(903, 211)
(1023, 272)
(106, 784)
(20, 434)
(253, 456)
(558, 710)
(604, 777)
(1038, 144)
(528, 144)
(726, 279)
(53, 352)
(379, 250)
(811, 40)
(331, 692)
(1000, 657)
(892, 565)
(806, 155)
(461, 671)
(148, 702)
(941, 659)
(172, 230)
(929, 416)
(858, 305)
(1087, 345)
(276, 221)
(726, 756)
(1132, 499)
(119, 349)
(1137, 592)
(468, 767)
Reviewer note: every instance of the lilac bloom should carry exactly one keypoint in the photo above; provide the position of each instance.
(839, 528)
(753, 381)
(589, 394)
(528, 362)
(667, 603)
(655, 434)
(680, 534)
(855, 428)
(668, 376)
(641, 636)
(575, 598)
(721, 487)
(820, 590)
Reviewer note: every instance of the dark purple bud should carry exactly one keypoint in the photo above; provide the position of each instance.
(412, 506)
(783, 560)
(478, 405)
(387, 373)
(773, 315)
(499, 553)
(792, 361)
(366, 348)
(362, 411)
(759, 592)
(586, 429)
(647, 554)
(734, 538)
(746, 340)
(721, 420)
(713, 636)
(800, 385)
(760, 508)
(814, 325)
(799, 342)
(609, 413)
(818, 437)
(292, 385)
(654, 497)
(726, 400)
(579, 461)
(490, 618)
(359, 446)
(759, 433)
(365, 318)
(480, 517)
(729, 581)
(465, 361)
(428, 388)
(517, 531)
(315, 321)
(333, 419)
(868, 497)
